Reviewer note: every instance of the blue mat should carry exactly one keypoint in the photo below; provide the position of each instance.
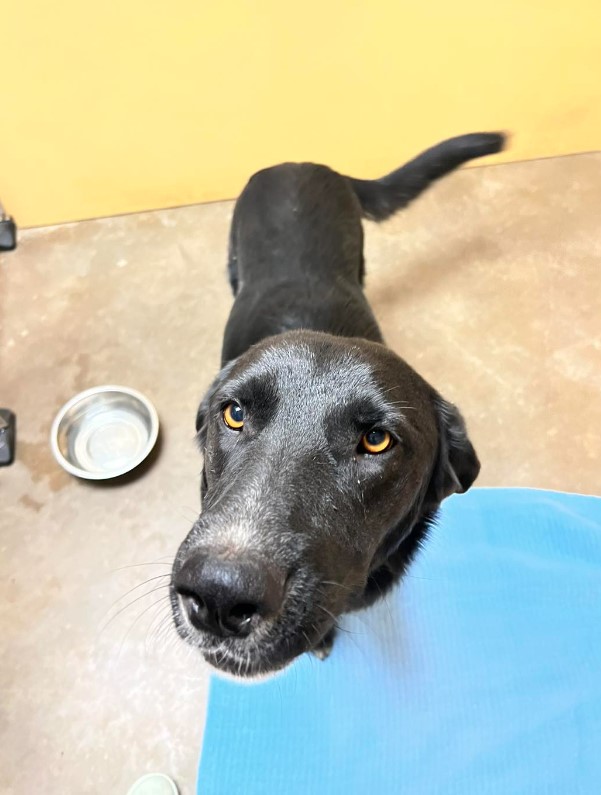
(480, 674)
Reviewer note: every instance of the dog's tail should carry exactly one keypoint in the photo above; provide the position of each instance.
(380, 198)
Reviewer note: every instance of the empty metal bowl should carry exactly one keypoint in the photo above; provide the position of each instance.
(104, 432)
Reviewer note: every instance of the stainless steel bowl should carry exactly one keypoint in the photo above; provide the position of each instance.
(104, 432)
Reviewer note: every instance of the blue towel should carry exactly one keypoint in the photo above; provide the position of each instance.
(479, 675)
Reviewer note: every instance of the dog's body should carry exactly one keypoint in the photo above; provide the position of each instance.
(326, 456)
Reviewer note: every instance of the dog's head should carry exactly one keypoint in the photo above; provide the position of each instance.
(322, 455)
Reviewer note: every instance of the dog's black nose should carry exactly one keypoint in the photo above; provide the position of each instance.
(228, 597)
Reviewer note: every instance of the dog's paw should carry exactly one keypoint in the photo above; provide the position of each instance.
(325, 645)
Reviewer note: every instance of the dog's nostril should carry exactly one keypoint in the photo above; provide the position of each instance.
(196, 604)
(197, 610)
(244, 611)
(238, 618)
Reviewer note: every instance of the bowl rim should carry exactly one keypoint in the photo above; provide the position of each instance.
(96, 390)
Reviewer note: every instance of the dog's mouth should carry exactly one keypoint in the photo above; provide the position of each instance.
(247, 663)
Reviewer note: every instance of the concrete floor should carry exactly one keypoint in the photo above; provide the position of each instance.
(489, 285)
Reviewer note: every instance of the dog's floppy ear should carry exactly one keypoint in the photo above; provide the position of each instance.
(202, 414)
(457, 466)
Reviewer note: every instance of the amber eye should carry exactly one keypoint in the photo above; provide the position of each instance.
(233, 416)
(376, 441)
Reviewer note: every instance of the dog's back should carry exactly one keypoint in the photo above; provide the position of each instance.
(296, 244)
(294, 216)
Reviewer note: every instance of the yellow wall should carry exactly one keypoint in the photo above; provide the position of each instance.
(122, 105)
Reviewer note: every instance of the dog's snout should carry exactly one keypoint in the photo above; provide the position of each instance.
(226, 596)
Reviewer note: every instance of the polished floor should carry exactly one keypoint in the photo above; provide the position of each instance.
(490, 285)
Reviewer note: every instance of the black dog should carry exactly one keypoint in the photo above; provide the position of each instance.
(326, 456)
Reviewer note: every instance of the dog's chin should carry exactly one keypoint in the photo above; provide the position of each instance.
(247, 668)
(247, 659)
